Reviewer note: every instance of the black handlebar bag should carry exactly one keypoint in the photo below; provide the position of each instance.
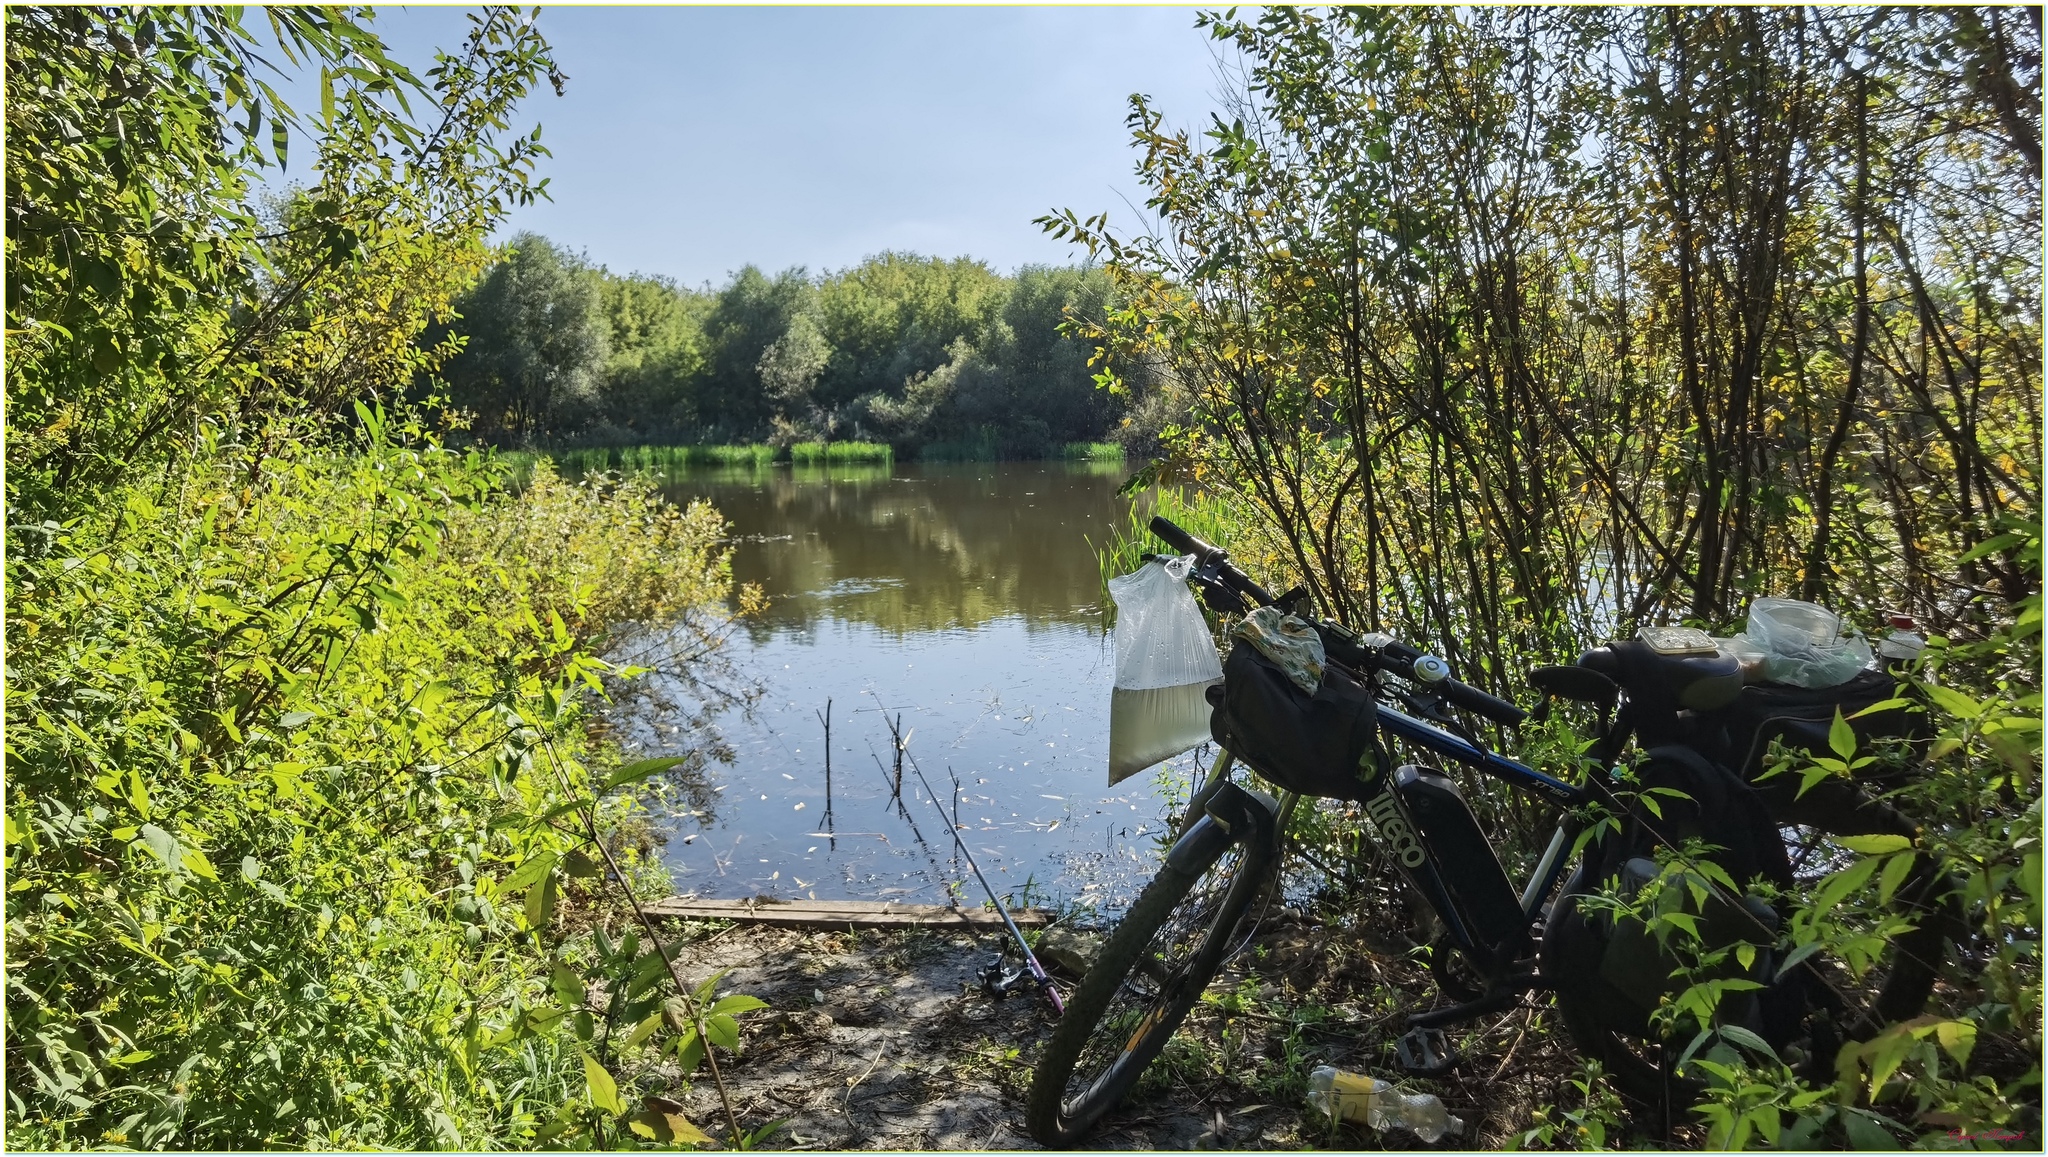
(1326, 744)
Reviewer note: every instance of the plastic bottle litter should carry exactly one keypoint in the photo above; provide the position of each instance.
(1904, 644)
(1379, 1105)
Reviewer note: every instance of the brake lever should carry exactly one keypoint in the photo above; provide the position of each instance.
(1216, 592)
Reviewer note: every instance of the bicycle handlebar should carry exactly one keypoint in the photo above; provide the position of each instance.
(1380, 652)
(1207, 556)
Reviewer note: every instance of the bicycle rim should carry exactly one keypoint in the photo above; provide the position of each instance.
(1150, 973)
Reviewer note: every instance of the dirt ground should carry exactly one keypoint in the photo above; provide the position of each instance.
(885, 1040)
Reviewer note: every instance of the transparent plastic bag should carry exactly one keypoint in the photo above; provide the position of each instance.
(1165, 660)
(1161, 640)
(1803, 644)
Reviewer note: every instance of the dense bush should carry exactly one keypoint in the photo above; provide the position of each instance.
(273, 752)
(296, 700)
(1510, 331)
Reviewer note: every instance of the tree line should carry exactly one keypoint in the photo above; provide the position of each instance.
(911, 350)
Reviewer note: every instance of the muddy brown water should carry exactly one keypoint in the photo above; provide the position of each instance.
(966, 600)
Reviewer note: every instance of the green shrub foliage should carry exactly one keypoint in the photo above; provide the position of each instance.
(295, 761)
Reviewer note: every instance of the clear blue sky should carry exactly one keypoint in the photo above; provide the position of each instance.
(693, 141)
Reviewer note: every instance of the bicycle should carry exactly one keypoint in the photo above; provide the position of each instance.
(1190, 919)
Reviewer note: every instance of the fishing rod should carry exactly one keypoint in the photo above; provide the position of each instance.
(1045, 984)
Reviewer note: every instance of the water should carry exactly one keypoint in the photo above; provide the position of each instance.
(965, 599)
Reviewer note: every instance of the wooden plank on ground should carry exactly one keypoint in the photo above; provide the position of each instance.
(842, 913)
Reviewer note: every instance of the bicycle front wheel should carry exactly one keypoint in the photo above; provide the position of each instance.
(1149, 974)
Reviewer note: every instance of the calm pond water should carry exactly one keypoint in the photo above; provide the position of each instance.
(965, 599)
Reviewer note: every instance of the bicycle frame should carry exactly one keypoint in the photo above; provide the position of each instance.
(1543, 879)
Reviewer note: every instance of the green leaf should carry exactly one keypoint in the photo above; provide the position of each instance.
(1841, 739)
(161, 844)
(1992, 545)
(528, 873)
(1837, 886)
(1736, 1034)
(1879, 845)
(569, 987)
(1796, 957)
(709, 986)
(546, 894)
(1953, 701)
(604, 1092)
(722, 1030)
(639, 770)
(580, 864)
(689, 1051)
(1865, 1131)
(642, 1031)
(738, 1003)
(196, 862)
(1894, 874)
(562, 809)
(1957, 1038)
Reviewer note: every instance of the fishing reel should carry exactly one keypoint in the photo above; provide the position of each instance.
(999, 980)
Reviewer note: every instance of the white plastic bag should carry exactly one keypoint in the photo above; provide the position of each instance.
(1165, 660)
(1803, 644)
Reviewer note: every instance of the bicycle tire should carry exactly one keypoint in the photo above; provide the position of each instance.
(1184, 922)
(1910, 968)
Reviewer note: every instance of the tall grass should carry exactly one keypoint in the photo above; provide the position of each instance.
(1092, 452)
(659, 459)
(1213, 518)
(815, 453)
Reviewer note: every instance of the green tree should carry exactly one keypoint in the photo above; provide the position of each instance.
(658, 355)
(750, 314)
(898, 315)
(143, 285)
(538, 344)
(789, 369)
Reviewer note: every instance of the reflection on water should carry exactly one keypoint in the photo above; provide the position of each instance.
(919, 547)
(965, 598)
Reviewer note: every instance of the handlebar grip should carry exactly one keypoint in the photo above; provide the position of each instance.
(1398, 658)
(1208, 556)
(1181, 541)
(1473, 699)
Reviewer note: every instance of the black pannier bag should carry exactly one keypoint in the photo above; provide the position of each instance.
(1321, 745)
(1801, 719)
(1613, 972)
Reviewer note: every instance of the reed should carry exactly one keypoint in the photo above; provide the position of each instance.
(816, 453)
(1092, 452)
